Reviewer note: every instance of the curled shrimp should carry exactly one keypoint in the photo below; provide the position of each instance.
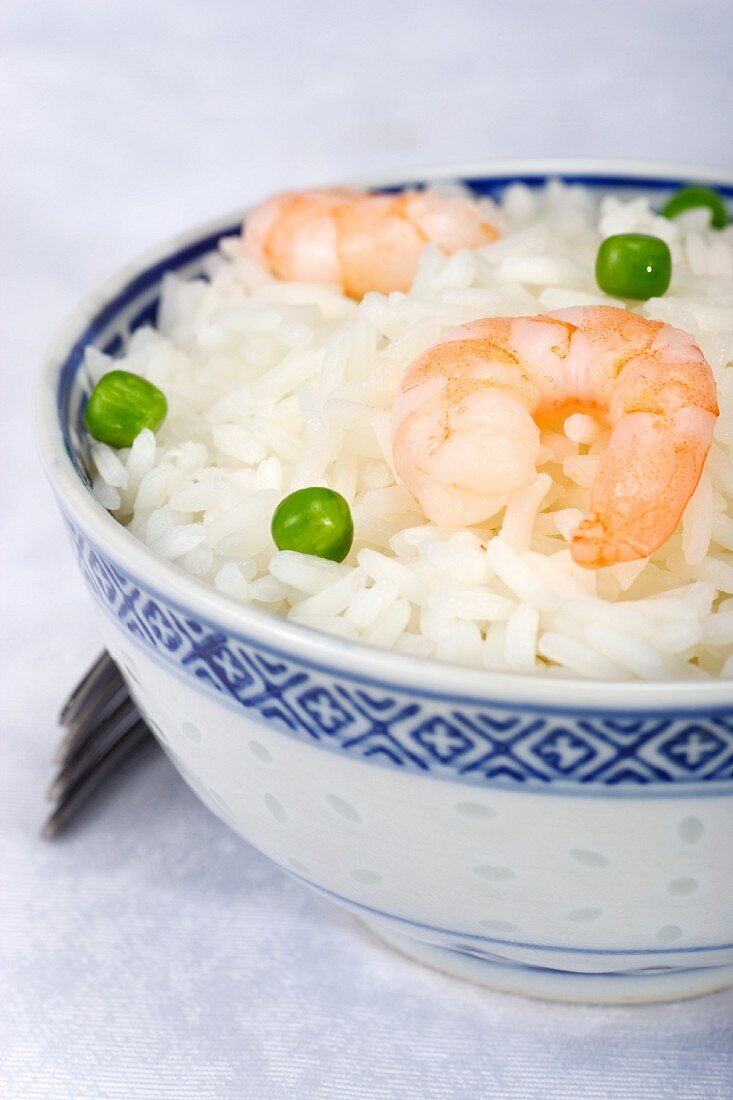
(466, 423)
(358, 240)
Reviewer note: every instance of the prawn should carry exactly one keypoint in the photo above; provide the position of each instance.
(357, 240)
(466, 422)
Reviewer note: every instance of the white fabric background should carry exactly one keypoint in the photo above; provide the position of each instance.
(151, 954)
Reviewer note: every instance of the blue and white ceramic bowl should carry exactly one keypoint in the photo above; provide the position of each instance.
(552, 837)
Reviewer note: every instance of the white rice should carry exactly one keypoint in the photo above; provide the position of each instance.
(274, 386)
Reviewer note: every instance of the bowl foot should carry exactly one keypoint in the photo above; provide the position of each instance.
(642, 987)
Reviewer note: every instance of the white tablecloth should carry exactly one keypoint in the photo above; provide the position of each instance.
(151, 954)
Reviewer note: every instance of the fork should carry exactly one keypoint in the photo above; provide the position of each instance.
(103, 728)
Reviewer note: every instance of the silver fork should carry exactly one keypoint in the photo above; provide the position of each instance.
(103, 728)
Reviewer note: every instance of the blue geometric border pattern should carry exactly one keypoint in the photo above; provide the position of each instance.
(458, 739)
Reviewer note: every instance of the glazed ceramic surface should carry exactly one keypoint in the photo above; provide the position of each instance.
(547, 836)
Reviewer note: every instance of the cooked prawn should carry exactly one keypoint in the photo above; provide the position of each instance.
(358, 240)
(466, 424)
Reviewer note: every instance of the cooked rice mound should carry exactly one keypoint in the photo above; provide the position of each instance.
(274, 386)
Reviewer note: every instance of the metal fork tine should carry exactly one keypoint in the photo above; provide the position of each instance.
(98, 722)
(103, 667)
(107, 696)
(100, 738)
(100, 688)
(80, 791)
(103, 727)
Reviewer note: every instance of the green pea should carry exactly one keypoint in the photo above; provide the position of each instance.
(314, 521)
(690, 198)
(121, 405)
(633, 265)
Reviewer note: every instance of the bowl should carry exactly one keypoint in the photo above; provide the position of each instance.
(548, 836)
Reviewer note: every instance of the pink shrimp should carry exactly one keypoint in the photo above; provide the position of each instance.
(466, 435)
(357, 240)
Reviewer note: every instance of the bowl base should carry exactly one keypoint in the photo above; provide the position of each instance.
(559, 985)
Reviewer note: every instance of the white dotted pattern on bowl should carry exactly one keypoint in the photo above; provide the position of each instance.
(545, 869)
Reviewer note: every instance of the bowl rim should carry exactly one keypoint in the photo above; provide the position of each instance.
(287, 638)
